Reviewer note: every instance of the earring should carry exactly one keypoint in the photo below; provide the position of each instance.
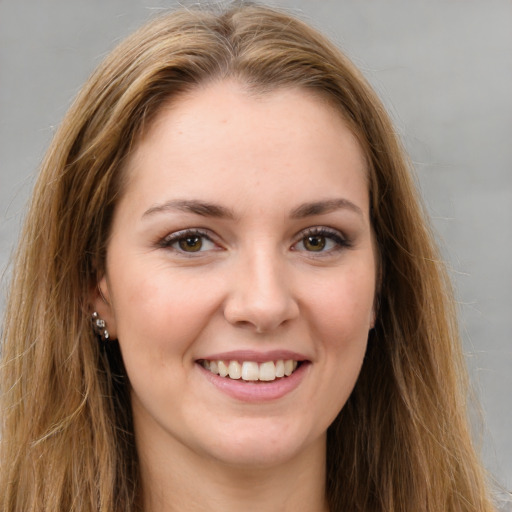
(99, 327)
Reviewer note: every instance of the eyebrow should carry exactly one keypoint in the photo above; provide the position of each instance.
(202, 208)
(206, 209)
(323, 207)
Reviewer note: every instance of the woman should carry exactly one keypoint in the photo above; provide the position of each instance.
(272, 328)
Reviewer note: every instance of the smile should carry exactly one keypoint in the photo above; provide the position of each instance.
(250, 370)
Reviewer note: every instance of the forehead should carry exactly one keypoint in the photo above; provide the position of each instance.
(221, 136)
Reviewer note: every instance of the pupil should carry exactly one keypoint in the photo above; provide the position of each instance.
(315, 243)
(191, 244)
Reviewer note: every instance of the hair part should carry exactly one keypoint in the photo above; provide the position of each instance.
(400, 443)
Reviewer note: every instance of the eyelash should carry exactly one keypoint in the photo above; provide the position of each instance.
(335, 236)
(168, 241)
(331, 234)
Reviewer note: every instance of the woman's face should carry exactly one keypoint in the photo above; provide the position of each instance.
(242, 244)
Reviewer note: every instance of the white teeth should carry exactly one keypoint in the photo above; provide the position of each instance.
(222, 368)
(250, 370)
(268, 371)
(280, 368)
(235, 370)
(288, 367)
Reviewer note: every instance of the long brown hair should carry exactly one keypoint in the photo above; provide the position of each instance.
(401, 443)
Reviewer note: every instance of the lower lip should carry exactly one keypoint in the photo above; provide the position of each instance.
(248, 391)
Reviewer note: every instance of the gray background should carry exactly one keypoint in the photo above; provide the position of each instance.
(443, 69)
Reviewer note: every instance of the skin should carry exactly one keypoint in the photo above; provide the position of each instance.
(256, 284)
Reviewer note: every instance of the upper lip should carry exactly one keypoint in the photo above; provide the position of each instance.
(257, 357)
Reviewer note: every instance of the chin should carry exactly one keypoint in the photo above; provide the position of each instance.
(264, 444)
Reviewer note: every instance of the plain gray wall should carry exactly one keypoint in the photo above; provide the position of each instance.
(443, 69)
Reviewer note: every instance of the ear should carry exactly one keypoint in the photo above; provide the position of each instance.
(375, 310)
(101, 303)
(373, 318)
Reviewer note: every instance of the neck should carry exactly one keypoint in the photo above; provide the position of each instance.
(187, 481)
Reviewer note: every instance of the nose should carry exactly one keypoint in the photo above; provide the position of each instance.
(261, 296)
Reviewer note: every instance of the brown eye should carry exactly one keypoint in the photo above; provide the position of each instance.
(314, 243)
(188, 242)
(191, 243)
(321, 240)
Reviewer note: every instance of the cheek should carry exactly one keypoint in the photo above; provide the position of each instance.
(342, 307)
(343, 322)
(340, 316)
(162, 312)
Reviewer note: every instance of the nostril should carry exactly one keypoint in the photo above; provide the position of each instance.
(260, 315)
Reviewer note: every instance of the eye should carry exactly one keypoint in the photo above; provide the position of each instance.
(191, 243)
(315, 243)
(188, 241)
(321, 240)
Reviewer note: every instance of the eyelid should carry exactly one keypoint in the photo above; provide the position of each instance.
(167, 241)
(335, 235)
(341, 240)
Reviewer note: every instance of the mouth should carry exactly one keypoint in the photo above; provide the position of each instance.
(251, 371)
